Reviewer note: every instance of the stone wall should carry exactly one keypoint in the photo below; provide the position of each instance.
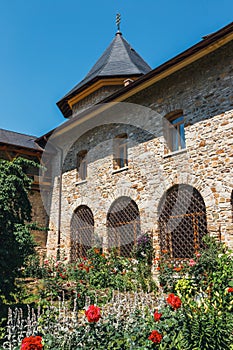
(94, 98)
(202, 89)
(40, 217)
(204, 92)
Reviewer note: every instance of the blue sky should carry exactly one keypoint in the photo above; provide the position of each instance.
(48, 46)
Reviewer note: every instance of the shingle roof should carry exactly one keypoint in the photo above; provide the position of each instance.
(118, 60)
(18, 140)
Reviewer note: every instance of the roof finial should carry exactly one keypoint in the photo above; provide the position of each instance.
(118, 22)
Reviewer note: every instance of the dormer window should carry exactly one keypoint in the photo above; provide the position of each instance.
(82, 165)
(120, 151)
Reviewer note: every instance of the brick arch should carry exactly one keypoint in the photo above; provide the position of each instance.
(123, 225)
(182, 221)
(83, 200)
(123, 189)
(81, 232)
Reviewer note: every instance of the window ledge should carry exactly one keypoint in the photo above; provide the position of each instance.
(81, 182)
(171, 154)
(120, 170)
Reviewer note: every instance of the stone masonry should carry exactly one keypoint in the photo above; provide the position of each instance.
(203, 91)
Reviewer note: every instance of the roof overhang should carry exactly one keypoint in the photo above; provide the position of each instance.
(102, 82)
(66, 103)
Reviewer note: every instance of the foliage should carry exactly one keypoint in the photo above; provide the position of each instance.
(32, 266)
(97, 271)
(194, 313)
(203, 283)
(208, 300)
(16, 242)
(144, 250)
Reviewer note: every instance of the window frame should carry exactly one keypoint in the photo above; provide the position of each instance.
(120, 160)
(82, 165)
(175, 131)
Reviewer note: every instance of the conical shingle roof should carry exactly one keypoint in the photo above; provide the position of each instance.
(118, 60)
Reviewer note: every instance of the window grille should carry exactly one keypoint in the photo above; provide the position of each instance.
(82, 232)
(182, 222)
(123, 223)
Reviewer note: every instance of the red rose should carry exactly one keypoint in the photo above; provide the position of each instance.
(93, 313)
(230, 290)
(174, 301)
(155, 336)
(157, 316)
(32, 343)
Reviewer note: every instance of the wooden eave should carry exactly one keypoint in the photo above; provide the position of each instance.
(96, 86)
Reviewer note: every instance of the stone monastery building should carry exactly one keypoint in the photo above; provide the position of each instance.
(142, 150)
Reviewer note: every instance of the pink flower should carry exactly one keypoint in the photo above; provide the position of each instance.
(198, 255)
(57, 263)
(192, 262)
(46, 261)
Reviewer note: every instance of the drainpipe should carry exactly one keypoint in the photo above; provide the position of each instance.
(59, 206)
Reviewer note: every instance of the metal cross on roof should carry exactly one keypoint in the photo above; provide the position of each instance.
(118, 21)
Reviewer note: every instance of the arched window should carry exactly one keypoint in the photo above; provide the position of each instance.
(182, 221)
(82, 232)
(123, 223)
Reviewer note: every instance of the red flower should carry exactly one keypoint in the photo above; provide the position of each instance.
(32, 343)
(155, 336)
(157, 316)
(93, 313)
(230, 290)
(174, 301)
